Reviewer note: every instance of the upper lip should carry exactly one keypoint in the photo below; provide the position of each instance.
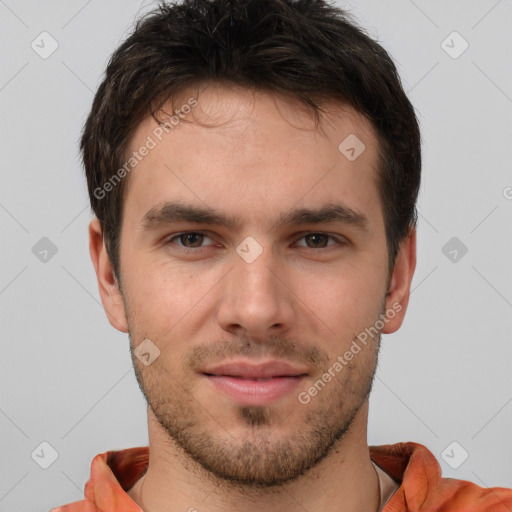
(255, 371)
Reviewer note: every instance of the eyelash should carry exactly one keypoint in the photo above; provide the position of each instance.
(169, 241)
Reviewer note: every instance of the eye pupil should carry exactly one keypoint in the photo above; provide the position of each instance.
(187, 238)
(315, 237)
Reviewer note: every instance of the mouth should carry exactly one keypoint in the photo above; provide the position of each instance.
(255, 379)
(250, 384)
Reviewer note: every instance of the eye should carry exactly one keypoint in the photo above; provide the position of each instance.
(188, 241)
(319, 240)
(193, 241)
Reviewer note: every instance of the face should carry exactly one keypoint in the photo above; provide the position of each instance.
(253, 260)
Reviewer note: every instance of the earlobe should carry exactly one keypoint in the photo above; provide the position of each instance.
(108, 285)
(397, 299)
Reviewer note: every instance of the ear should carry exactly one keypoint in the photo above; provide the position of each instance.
(400, 283)
(107, 283)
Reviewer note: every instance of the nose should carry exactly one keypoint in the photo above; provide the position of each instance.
(256, 300)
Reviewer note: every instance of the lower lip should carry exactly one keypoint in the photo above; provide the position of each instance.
(252, 392)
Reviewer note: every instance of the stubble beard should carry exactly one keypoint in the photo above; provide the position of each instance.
(263, 457)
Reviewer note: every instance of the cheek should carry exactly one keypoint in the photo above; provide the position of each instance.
(344, 300)
(163, 294)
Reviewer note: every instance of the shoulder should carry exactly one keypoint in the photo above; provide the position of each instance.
(423, 488)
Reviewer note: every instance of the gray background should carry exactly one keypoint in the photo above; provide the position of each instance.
(65, 373)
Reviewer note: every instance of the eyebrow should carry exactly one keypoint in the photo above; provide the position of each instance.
(173, 212)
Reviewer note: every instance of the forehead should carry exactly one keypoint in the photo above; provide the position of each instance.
(253, 153)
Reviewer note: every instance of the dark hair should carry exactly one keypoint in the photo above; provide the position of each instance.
(308, 49)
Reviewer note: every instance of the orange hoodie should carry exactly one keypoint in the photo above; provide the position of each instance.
(422, 488)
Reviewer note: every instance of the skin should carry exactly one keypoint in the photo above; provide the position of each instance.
(255, 156)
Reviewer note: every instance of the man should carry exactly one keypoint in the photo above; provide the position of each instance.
(253, 166)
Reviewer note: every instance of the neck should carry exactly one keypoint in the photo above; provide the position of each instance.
(345, 480)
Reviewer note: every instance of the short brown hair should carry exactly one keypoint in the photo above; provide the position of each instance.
(308, 49)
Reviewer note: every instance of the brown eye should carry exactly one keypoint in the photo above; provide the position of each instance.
(319, 240)
(191, 239)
